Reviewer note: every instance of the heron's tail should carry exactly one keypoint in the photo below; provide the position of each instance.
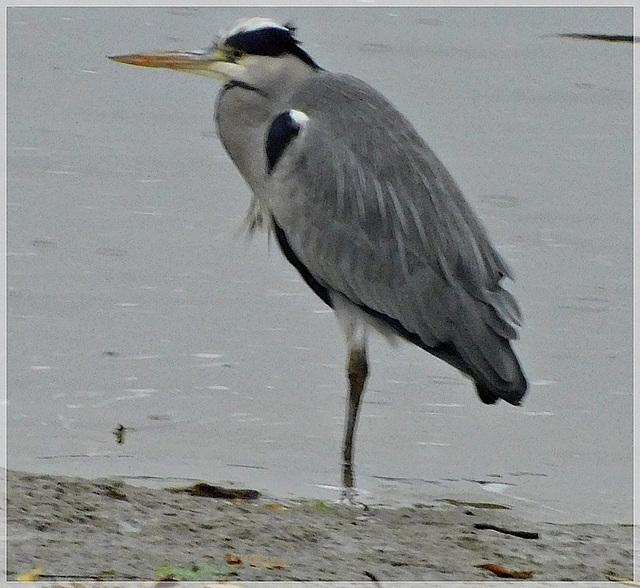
(511, 390)
(482, 340)
(484, 353)
(494, 368)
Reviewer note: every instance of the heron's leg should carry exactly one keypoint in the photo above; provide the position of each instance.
(357, 371)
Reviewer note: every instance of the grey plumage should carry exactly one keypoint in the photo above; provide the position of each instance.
(419, 255)
(363, 208)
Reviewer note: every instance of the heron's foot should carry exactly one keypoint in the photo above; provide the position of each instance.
(350, 496)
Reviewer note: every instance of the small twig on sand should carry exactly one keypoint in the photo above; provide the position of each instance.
(521, 534)
(211, 491)
(373, 579)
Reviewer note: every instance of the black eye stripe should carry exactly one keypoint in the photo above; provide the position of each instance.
(270, 42)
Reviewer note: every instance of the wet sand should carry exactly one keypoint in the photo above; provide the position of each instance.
(78, 529)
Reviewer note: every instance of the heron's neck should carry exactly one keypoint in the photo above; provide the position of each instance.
(244, 112)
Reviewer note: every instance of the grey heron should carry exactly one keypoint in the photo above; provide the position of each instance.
(361, 207)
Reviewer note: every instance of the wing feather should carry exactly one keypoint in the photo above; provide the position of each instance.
(372, 213)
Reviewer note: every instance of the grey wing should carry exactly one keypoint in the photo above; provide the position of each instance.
(369, 212)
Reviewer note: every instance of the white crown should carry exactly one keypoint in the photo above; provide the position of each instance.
(255, 24)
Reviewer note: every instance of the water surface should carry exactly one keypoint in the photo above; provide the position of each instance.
(132, 302)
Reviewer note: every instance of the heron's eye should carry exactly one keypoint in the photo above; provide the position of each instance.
(236, 54)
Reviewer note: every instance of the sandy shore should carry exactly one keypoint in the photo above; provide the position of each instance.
(74, 528)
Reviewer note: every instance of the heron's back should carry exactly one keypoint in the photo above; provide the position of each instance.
(370, 213)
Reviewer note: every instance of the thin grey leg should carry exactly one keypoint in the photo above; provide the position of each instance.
(357, 371)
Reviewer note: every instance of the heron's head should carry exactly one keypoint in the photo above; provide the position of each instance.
(256, 51)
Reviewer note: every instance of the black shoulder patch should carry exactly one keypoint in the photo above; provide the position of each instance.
(284, 128)
(269, 41)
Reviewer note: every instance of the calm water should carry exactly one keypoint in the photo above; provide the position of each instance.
(132, 301)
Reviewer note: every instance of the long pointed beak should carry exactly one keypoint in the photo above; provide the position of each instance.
(209, 63)
(168, 59)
